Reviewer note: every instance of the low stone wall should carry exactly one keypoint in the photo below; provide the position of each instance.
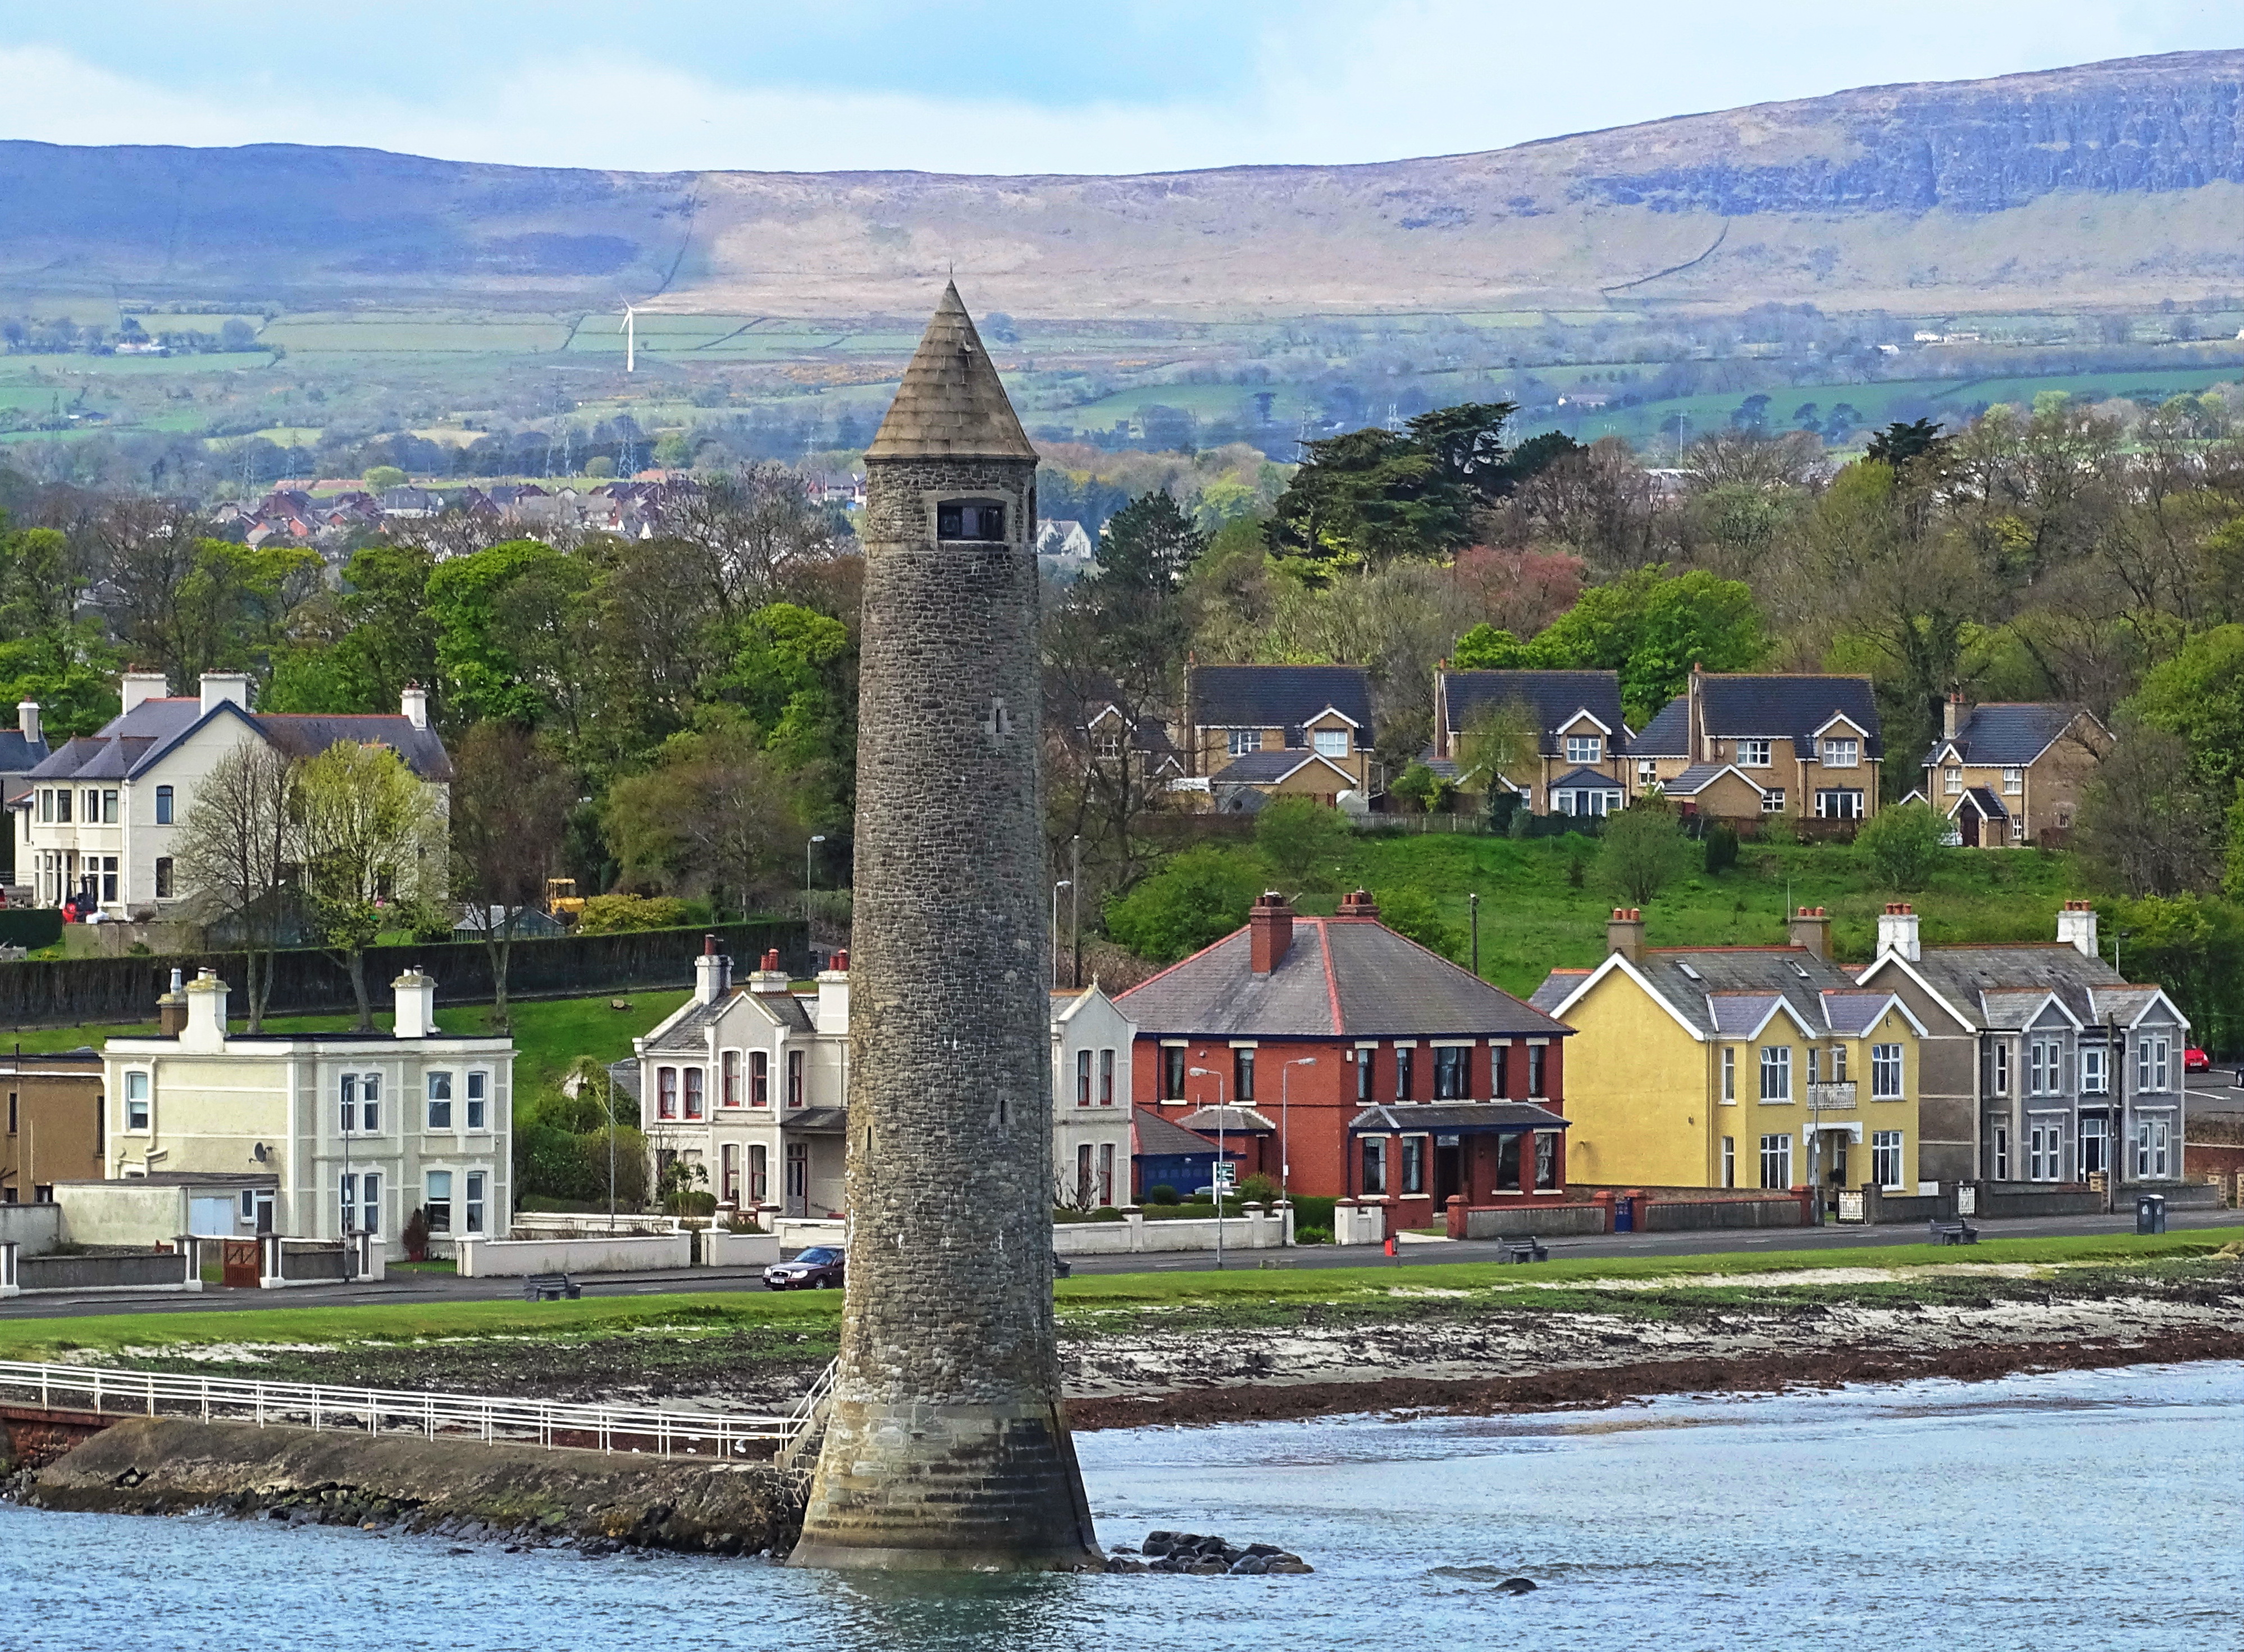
(519, 1258)
(314, 1263)
(723, 1249)
(800, 1233)
(1543, 1221)
(577, 1224)
(1257, 1230)
(150, 1272)
(1656, 1216)
(164, 1465)
(36, 1229)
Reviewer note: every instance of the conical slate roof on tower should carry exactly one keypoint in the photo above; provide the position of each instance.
(951, 405)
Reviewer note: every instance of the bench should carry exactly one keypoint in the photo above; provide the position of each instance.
(1523, 1247)
(550, 1287)
(1956, 1232)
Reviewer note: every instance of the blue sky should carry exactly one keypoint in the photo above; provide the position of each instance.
(996, 86)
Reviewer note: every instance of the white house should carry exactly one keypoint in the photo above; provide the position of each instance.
(356, 1130)
(750, 1082)
(102, 814)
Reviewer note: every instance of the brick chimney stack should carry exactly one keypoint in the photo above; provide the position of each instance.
(1811, 929)
(1624, 931)
(1954, 715)
(1271, 920)
(1360, 905)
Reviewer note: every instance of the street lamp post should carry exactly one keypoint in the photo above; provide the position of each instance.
(1286, 1126)
(807, 849)
(1216, 1175)
(1064, 883)
(1473, 900)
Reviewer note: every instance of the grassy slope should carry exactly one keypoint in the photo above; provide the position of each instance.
(1532, 919)
(716, 1312)
(549, 1033)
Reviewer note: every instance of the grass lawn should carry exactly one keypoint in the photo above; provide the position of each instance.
(549, 1033)
(1247, 1288)
(1533, 918)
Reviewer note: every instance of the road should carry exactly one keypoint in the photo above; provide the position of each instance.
(404, 1288)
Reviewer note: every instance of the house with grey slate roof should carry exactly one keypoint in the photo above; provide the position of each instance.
(1580, 764)
(100, 816)
(22, 749)
(2042, 1062)
(1744, 745)
(1344, 1059)
(2007, 773)
(1273, 730)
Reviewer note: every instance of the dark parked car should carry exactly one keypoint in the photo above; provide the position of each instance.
(817, 1269)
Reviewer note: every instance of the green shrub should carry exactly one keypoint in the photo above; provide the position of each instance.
(1199, 898)
(1313, 1211)
(619, 914)
(1721, 847)
(1312, 1236)
(1259, 1189)
(1161, 1193)
(1410, 911)
(1303, 840)
(1904, 843)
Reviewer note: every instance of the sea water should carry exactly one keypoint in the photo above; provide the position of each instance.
(2096, 1509)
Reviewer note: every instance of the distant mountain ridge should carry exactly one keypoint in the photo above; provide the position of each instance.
(2111, 183)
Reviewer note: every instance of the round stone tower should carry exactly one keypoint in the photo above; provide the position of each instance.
(945, 1447)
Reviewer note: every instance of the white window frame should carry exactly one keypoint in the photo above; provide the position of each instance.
(1240, 742)
(2152, 1055)
(1755, 754)
(475, 1201)
(1083, 1078)
(2153, 1148)
(1840, 754)
(2045, 1058)
(478, 1099)
(1328, 742)
(1998, 1080)
(1776, 1073)
(2014, 781)
(145, 1101)
(1886, 1073)
(1647, 770)
(1584, 749)
(1106, 1065)
(1839, 803)
(429, 1085)
(1772, 800)
(437, 1207)
(1886, 1160)
(1953, 780)
(1776, 1153)
(2095, 1078)
(1729, 1161)
(1729, 1075)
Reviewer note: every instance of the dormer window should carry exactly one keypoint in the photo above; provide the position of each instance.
(969, 519)
(1584, 748)
(1331, 742)
(1842, 753)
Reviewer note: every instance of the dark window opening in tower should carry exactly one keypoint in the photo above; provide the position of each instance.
(981, 519)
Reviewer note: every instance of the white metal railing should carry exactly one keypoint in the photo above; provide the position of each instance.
(798, 1455)
(376, 1410)
(1841, 1094)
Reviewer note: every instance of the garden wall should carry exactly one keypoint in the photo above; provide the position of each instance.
(519, 1258)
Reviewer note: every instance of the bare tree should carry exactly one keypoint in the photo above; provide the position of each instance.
(509, 812)
(236, 856)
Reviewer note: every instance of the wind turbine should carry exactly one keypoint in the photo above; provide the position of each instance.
(631, 339)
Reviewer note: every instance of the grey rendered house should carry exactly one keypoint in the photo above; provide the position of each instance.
(2040, 1062)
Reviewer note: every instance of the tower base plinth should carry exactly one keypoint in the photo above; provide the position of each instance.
(947, 1488)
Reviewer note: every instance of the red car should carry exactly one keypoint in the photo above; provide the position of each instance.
(2196, 1060)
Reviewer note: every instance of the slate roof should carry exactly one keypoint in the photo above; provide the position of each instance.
(1984, 798)
(817, 1121)
(688, 1032)
(1462, 1118)
(129, 746)
(2010, 732)
(624, 1077)
(1555, 695)
(1341, 978)
(1261, 696)
(1791, 707)
(19, 755)
(952, 404)
(1574, 780)
(1991, 986)
(1234, 1121)
(1151, 1134)
(1728, 991)
(1267, 768)
(1699, 776)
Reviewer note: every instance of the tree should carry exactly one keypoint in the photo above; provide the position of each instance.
(372, 839)
(1644, 850)
(237, 846)
(383, 478)
(510, 811)
(1199, 898)
(1499, 742)
(2146, 825)
(1373, 495)
(712, 814)
(2198, 695)
(1904, 843)
(1410, 911)
(1302, 839)
(509, 641)
(1899, 444)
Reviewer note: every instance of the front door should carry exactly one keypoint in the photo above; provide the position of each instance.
(1448, 1176)
(798, 1178)
(1968, 821)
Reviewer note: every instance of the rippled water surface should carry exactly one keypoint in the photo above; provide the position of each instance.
(2087, 1510)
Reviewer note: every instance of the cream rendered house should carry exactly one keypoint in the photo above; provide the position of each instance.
(1091, 1038)
(358, 1130)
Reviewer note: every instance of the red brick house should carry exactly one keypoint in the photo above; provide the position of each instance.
(1344, 1060)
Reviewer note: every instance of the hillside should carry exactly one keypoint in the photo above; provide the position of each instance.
(2114, 183)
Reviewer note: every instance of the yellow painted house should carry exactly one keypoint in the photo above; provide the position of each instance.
(1735, 1067)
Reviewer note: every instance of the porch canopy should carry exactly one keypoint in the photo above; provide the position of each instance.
(1455, 1118)
(1231, 1120)
(817, 1121)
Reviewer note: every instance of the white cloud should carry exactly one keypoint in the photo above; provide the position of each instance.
(1337, 83)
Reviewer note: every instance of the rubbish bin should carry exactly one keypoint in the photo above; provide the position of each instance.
(2150, 1213)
